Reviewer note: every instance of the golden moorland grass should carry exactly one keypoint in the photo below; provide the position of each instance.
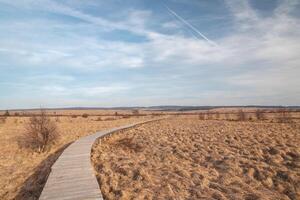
(23, 172)
(188, 158)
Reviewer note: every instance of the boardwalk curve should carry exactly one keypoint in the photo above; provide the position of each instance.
(72, 175)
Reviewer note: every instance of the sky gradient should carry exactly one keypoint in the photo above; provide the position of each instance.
(143, 53)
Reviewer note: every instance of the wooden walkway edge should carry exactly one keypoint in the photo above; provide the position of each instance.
(72, 175)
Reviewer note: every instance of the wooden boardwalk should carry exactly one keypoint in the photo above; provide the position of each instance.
(72, 175)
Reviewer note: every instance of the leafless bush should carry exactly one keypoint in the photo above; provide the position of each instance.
(241, 116)
(74, 116)
(284, 116)
(217, 115)
(209, 116)
(85, 115)
(40, 132)
(99, 119)
(201, 116)
(259, 114)
(6, 113)
(227, 116)
(135, 112)
(126, 116)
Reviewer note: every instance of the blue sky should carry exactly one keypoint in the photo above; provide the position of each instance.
(141, 53)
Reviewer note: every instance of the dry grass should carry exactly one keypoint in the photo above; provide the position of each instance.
(188, 158)
(21, 169)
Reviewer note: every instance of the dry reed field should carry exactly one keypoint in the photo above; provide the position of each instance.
(23, 172)
(189, 158)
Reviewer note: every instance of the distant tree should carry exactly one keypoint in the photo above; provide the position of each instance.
(6, 113)
(40, 132)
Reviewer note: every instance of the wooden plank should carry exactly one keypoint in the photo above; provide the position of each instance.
(72, 175)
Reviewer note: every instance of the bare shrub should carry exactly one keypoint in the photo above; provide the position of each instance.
(284, 116)
(116, 113)
(17, 114)
(85, 115)
(135, 112)
(259, 114)
(209, 115)
(74, 116)
(126, 116)
(40, 132)
(6, 113)
(227, 116)
(201, 116)
(241, 116)
(217, 115)
(99, 119)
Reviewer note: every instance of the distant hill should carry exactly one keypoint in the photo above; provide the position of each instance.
(190, 108)
(162, 108)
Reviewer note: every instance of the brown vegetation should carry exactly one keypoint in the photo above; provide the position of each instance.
(85, 115)
(6, 113)
(185, 158)
(284, 116)
(21, 176)
(201, 116)
(2, 120)
(241, 116)
(23, 171)
(40, 132)
(135, 112)
(259, 114)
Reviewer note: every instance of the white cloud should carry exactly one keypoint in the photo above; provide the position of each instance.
(171, 25)
(271, 39)
(261, 51)
(102, 90)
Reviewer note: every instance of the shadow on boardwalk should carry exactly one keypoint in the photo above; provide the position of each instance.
(33, 186)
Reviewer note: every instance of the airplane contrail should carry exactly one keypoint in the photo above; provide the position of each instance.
(190, 26)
